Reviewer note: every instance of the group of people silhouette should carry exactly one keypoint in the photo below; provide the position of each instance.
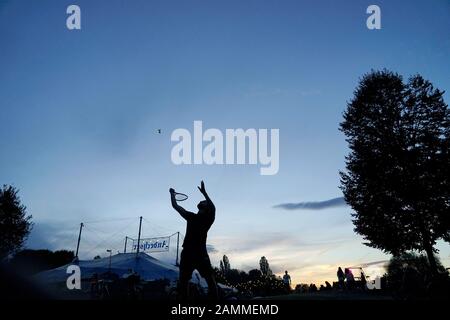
(346, 279)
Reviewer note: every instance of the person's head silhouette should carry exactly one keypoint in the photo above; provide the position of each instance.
(202, 206)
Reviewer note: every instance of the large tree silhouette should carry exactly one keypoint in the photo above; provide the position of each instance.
(264, 267)
(15, 225)
(397, 173)
(225, 265)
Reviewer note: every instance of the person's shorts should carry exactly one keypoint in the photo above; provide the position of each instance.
(191, 261)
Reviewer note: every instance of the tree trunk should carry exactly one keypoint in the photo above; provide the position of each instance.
(428, 246)
(431, 259)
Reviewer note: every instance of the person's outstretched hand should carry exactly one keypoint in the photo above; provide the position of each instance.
(202, 188)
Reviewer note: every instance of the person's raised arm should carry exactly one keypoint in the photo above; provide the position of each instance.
(208, 199)
(183, 212)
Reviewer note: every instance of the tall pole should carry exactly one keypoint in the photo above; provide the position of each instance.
(178, 244)
(79, 238)
(125, 248)
(110, 253)
(139, 236)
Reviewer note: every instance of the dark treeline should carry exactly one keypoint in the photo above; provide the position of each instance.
(34, 261)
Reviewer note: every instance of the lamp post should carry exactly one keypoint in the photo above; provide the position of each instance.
(110, 253)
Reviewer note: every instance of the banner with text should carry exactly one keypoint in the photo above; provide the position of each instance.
(152, 244)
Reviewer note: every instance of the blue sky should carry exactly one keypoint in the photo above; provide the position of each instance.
(80, 110)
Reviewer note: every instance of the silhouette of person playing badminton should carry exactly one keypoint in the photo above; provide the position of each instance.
(194, 254)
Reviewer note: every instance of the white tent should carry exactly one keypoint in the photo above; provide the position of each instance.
(145, 265)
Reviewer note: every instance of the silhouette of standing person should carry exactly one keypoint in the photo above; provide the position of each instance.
(287, 281)
(194, 254)
(349, 278)
(341, 278)
(363, 280)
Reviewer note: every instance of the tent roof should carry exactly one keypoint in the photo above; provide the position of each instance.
(145, 265)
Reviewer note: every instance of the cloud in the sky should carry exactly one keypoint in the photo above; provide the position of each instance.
(313, 205)
(56, 236)
(373, 263)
